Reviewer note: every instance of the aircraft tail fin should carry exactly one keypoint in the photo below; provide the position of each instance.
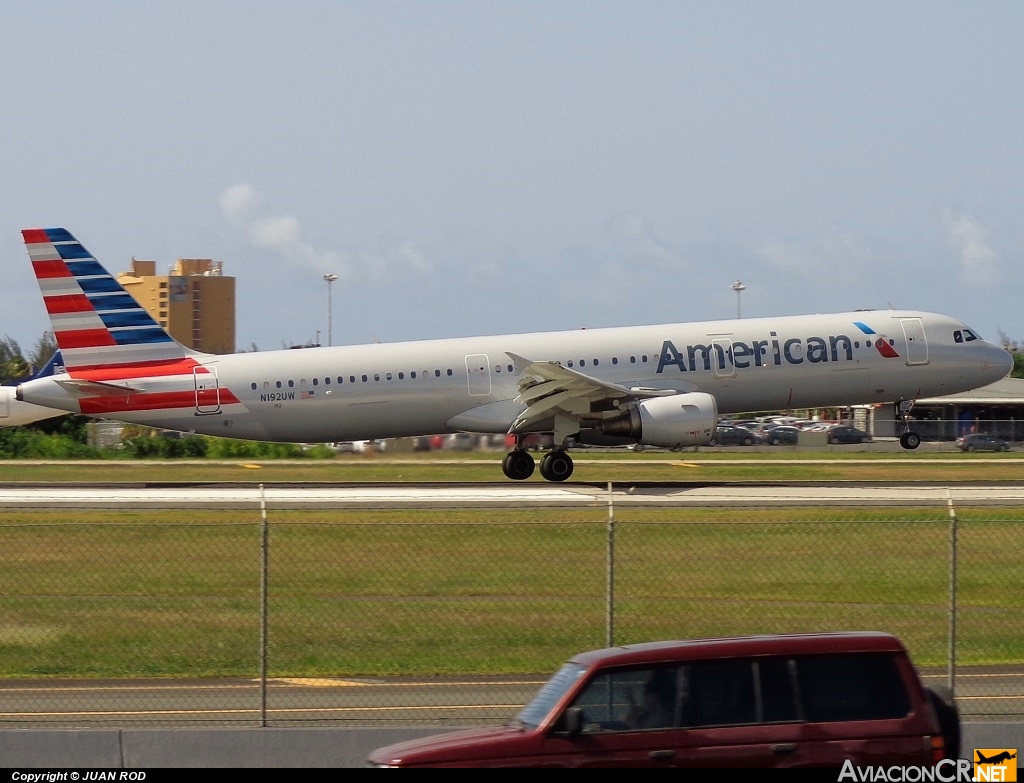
(97, 324)
(52, 367)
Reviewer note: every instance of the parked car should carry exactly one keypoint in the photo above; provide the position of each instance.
(980, 441)
(759, 701)
(460, 441)
(359, 446)
(729, 435)
(784, 434)
(846, 434)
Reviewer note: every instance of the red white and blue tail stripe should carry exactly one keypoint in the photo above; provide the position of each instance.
(97, 324)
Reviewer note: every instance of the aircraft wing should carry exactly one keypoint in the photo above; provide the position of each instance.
(548, 388)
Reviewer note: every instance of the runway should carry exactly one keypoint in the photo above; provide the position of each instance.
(357, 495)
(983, 693)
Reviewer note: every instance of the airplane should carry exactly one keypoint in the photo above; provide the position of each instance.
(999, 758)
(652, 385)
(14, 413)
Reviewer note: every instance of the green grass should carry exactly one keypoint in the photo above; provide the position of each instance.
(591, 466)
(483, 591)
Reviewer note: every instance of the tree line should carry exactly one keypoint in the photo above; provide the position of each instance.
(16, 366)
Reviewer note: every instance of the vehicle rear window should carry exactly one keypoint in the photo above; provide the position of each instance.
(851, 687)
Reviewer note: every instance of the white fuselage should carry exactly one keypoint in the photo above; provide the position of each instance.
(470, 384)
(14, 413)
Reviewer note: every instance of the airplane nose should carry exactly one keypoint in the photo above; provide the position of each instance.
(999, 360)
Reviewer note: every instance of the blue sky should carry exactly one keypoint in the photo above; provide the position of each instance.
(484, 167)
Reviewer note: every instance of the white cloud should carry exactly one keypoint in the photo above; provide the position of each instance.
(633, 241)
(238, 202)
(979, 263)
(243, 207)
(836, 250)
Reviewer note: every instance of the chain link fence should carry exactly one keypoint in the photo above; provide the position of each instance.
(422, 617)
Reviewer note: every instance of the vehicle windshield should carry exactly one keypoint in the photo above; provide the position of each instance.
(555, 688)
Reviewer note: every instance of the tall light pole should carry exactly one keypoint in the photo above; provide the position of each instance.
(330, 279)
(738, 287)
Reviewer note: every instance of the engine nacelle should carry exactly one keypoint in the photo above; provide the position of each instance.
(679, 420)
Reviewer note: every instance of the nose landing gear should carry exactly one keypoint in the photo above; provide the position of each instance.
(908, 438)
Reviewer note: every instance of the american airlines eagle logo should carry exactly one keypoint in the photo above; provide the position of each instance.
(881, 344)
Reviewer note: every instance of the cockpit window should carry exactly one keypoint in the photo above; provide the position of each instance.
(964, 336)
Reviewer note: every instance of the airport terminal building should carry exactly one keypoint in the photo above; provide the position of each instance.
(997, 409)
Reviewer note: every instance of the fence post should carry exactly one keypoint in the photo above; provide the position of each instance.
(951, 677)
(263, 607)
(610, 574)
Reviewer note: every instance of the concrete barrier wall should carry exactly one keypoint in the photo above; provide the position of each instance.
(298, 748)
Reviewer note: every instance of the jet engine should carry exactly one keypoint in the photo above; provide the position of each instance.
(679, 420)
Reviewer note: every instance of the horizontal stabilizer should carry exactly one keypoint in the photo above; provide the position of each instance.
(96, 388)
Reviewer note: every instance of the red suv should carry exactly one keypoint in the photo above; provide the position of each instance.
(759, 701)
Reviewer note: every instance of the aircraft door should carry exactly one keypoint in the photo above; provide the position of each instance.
(207, 390)
(478, 373)
(5, 406)
(917, 344)
(722, 357)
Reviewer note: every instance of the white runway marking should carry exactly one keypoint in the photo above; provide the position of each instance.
(513, 495)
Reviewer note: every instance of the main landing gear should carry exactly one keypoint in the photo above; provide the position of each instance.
(556, 465)
(518, 465)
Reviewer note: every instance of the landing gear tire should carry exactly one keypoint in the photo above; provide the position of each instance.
(556, 465)
(910, 440)
(518, 465)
